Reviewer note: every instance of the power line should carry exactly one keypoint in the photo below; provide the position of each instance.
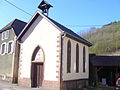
(84, 25)
(17, 7)
(31, 15)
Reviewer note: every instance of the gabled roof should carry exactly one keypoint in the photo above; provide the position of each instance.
(17, 26)
(98, 60)
(60, 27)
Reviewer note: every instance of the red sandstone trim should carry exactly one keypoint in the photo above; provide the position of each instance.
(24, 82)
(52, 84)
(57, 77)
(58, 61)
(58, 45)
(57, 66)
(58, 55)
(57, 71)
(58, 36)
(58, 41)
(58, 50)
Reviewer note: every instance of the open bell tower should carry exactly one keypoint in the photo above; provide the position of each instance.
(44, 6)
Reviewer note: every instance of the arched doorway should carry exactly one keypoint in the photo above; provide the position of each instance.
(37, 67)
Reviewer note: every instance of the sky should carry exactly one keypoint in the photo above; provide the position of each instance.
(77, 15)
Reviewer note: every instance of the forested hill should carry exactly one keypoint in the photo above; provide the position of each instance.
(106, 40)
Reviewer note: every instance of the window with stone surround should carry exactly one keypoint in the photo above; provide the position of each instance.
(3, 48)
(5, 35)
(10, 47)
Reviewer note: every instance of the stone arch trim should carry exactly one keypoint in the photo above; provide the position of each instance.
(38, 50)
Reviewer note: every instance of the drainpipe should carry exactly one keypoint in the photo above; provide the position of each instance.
(62, 37)
(15, 61)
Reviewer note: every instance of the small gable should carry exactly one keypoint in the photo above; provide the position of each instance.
(17, 26)
(60, 27)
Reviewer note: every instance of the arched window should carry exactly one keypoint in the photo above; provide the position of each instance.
(69, 57)
(77, 58)
(38, 55)
(84, 58)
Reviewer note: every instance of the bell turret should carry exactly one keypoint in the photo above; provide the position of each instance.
(44, 6)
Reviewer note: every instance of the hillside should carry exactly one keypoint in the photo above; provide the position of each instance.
(106, 40)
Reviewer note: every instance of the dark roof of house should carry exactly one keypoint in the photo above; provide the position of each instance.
(17, 26)
(105, 60)
(62, 28)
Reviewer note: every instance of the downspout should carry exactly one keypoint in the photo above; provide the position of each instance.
(62, 37)
(16, 61)
(13, 60)
(17, 43)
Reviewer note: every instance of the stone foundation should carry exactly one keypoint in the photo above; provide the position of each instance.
(66, 85)
(53, 85)
(24, 82)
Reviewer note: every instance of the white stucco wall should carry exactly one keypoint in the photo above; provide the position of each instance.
(73, 75)
(45, 35)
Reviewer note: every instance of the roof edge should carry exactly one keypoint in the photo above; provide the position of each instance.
(75, 38)
(37, 13)
(8, 26)
(30, 21)
(50, 21)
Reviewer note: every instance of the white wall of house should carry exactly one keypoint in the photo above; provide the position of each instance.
(44, 34)
(73, 75)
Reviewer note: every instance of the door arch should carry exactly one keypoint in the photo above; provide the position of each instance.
(37, 67)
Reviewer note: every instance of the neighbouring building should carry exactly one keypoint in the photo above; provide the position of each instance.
(104, 70)
(52, 56)
(9, 50)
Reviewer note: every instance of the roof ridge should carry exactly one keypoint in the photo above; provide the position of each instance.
(59, 26)
(7, 26)
(68, 31)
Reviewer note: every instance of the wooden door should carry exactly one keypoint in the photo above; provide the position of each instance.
(37, 74)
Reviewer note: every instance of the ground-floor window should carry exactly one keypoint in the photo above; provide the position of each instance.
(3, 48)
(10, 47)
